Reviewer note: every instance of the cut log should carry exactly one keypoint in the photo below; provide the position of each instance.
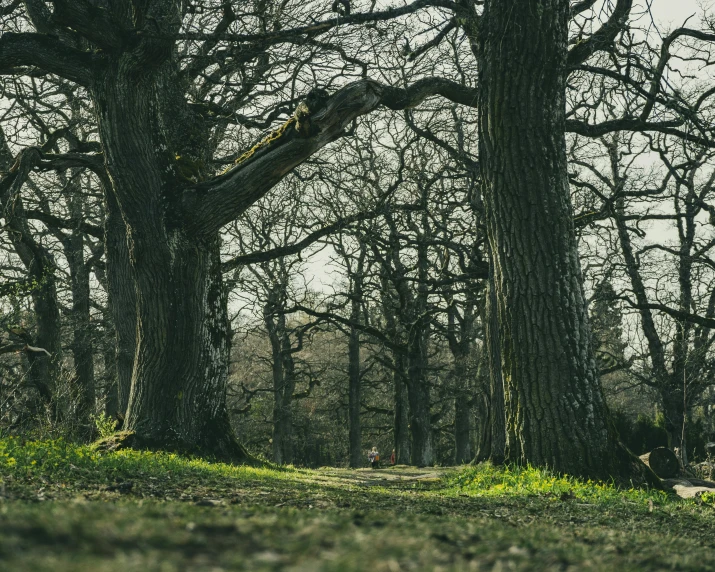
(662, 462)
(689, 488)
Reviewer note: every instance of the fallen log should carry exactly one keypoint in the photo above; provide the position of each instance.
(662, 462)
(689, 488)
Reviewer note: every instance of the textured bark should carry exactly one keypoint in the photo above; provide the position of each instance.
(122, 300)
(283, 370)
(179, 368)
(462, 431)
(354, 376)
(403, 449)
(43, 366)
(555, 411)
(497, 414)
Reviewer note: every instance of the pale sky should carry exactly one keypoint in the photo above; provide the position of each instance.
(676, 11)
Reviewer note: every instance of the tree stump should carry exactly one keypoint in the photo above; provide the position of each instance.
(662, 462)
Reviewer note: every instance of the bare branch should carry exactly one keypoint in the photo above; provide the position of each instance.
(603, 38)
(47, 53)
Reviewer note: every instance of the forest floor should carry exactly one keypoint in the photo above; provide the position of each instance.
(68, 508)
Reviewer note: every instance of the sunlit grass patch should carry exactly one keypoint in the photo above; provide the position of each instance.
(58, 460)
(486, 480)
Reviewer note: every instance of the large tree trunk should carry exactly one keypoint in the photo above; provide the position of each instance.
(555, 411)
(177, 397)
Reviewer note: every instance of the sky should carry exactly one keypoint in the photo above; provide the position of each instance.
(676, 11)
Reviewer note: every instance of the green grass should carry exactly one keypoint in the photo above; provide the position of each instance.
(64, 507)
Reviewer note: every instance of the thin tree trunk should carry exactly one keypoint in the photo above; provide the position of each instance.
(462, 421)
(283, 370)
(419, 399)
(483, 411)
(403, 451)
(82, 347)
(354, 376)
(43, 366)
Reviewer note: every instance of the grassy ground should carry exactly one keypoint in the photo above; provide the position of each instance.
(68, 508)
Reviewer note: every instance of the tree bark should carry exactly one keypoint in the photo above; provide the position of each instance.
(403, 452)
(283, 369)
(121, 293)
(663, 462)
(177, 396)
(82, 347)
(354, 376)
(497, 415)
(555, 411)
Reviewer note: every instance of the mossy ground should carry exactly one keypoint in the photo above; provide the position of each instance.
(70, 508)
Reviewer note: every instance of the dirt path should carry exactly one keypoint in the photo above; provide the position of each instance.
(399, 476)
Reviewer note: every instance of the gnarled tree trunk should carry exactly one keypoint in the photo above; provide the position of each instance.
(177, 393)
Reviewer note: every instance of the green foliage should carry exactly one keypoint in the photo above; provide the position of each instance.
(485, 480)
(708, 498)
(647, 433)
(642, 436)
(55, 461)
(606, 326)
(106, 425)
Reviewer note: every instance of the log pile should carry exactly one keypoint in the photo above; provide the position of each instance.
(664, 463)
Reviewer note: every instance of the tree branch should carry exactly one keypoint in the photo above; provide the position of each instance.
(677, 314)
(91, 22)
(280, 251)
(603, 38)
(318, 28)
(57, 222)
(637, 125)
(47, 53)
(210, 205)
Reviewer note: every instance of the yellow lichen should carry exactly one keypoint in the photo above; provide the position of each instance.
(270, 138)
